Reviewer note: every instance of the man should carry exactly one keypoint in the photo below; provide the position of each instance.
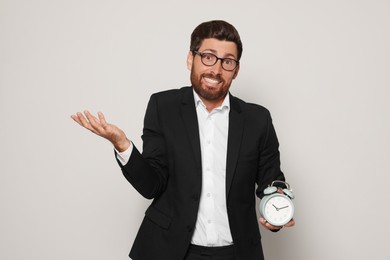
(204, 151)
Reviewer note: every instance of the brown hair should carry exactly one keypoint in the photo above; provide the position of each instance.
(217, 29)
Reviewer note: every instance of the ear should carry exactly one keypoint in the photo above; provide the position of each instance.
(236, 71)
(190, 60)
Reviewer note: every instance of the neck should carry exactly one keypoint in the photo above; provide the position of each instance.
(212, 104)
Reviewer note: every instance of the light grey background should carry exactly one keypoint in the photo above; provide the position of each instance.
(321, 67)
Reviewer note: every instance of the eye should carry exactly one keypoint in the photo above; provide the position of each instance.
(228, 62)
(208, 56)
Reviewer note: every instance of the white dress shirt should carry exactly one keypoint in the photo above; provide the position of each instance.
(212, 225)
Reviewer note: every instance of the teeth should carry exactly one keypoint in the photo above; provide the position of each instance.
(212, 81)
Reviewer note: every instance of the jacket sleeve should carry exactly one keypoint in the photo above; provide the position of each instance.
(269, 160)
(148, 172)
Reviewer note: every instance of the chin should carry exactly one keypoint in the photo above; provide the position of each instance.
(211, 93)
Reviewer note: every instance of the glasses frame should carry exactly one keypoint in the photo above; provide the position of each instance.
(201, 54)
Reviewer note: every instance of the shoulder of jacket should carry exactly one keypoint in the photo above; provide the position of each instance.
(250, 107)
(170, 94)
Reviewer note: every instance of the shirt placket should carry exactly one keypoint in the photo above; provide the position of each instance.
(209, 180)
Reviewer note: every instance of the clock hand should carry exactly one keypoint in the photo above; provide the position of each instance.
(283, 207)
(275, 207)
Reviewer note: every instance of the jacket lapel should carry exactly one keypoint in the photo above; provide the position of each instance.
(190, 119)
(236, 127)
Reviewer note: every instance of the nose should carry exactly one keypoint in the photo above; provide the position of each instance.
(217, 67)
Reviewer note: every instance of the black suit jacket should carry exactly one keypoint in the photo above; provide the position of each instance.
(169, 172)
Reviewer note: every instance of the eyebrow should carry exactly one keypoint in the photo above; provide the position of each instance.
(229, 55)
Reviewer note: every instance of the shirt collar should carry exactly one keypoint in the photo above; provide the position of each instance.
(225, 104)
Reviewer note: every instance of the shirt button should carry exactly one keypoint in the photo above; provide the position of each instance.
(209, 221)
(208, 195)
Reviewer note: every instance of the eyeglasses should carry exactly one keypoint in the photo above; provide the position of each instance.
(210, 59)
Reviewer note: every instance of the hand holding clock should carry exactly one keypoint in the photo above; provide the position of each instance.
(276, 207)
(268, 226)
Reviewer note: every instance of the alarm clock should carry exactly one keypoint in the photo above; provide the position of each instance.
(276, 206)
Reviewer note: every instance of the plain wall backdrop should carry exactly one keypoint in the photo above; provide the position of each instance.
(321, 67)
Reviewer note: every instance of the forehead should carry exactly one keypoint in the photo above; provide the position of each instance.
(218, 47)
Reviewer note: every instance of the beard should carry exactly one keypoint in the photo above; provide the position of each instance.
(208, 93)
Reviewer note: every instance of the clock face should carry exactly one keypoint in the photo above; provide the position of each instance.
(278, 210)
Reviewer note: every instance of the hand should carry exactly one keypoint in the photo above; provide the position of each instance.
(268, 226)
(100, 127)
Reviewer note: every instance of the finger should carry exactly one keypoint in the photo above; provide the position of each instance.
(268, 225)
(91, 117)
(83, 121)
(262, 221)
(76, 119)
(102, 119)
(291, 223)
(93, 122)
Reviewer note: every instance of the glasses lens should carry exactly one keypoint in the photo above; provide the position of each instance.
(229, 64)
(209, 59)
